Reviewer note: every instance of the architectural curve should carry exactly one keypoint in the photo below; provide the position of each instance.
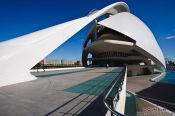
(133, 27)
(20, 54)
(120, 38)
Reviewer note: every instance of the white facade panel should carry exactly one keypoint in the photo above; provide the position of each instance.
(130, 25)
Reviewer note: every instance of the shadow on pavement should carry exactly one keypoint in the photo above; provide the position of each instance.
(161, 94)
(89, 102)
(96, 108)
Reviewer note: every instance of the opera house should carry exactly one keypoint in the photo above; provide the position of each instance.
(121, 38)
(117, 38)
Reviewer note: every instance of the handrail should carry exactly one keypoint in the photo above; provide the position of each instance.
(117, 84)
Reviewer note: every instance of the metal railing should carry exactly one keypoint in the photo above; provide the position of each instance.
(116, 87)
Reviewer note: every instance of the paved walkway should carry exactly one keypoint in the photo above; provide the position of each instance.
(98, 85)
(47, 96)
(158, 93)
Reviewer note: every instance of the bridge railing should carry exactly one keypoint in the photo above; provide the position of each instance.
(115, 90)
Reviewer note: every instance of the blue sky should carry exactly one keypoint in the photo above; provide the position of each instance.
(19, 17)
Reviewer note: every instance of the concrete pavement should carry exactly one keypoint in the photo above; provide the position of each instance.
(46, 96)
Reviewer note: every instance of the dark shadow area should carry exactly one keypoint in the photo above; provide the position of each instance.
(96, 108)
(48, 114)
(92, 104)
(161, 94)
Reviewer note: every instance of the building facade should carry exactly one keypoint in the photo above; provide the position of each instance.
(122, 39)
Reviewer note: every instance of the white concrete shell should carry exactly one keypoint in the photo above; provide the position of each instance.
(19, 55)
(131, 26)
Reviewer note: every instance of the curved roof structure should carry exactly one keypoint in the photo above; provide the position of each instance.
(19, 55)
(133, 27)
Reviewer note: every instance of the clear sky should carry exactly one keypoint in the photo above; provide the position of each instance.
(19, 17)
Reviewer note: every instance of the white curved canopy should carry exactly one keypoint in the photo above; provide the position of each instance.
(131, 26)
(19, 55)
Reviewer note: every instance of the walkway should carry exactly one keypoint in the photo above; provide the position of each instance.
(57, 95)
(96, 86)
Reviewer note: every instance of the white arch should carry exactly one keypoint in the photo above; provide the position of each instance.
(133, 27)
(19, 55)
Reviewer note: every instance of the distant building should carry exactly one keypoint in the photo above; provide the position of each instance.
(57, 62)
(169, 61)
(52, 61)
(67, 62)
